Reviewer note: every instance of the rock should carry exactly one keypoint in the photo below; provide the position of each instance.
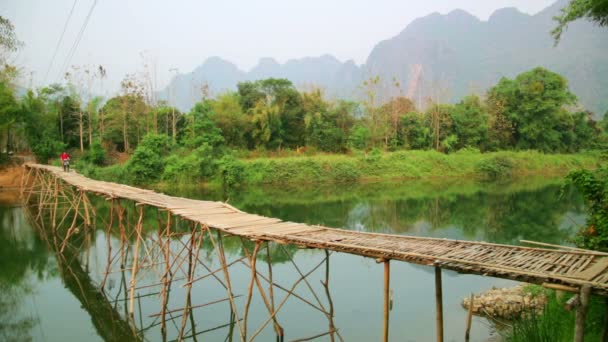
(505, 303)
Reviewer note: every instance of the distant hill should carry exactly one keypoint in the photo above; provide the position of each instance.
(443, 57)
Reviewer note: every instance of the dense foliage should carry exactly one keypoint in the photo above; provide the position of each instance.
(594, 10)
(266, 117)
(593, 185)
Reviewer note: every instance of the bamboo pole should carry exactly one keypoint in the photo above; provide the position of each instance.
(387, 279)
(439, 303)
(138, 229)
(219, 248)
(165, 247)
(109, 242)
(277, 328)
(467, 333)
(581, 314)
(252, 260)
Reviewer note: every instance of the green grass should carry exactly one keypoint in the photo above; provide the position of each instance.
(409, 165)
(555, 324)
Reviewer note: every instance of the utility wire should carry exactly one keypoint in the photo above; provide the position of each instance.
(65, 26)
(72, 51)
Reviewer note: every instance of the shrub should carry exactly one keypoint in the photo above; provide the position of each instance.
(495, 167)
(146, 165)
(593, 185)
(231, 171)
(96, 154)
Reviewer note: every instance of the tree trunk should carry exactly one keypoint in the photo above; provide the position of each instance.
(125, 136)
(155, 122)
(101, 124)
(173, 124)
(90, 130)
(61, 126)
(81, 131)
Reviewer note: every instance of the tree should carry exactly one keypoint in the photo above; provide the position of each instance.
(470, 122)
(147, 162)
(200, 129)
(531, 104)
(439, 120)
(275, 109)
(8, 39)
(321, 124)
(9, 113)
(414, 133)
(391, 113)
(593, 10)
(229, 117)
(41, 126)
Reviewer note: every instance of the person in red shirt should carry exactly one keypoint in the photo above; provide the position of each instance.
(65, 161)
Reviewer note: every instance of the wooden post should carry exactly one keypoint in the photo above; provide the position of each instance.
(581, 314)
(439, 303)
(387, 280)
(467, 334)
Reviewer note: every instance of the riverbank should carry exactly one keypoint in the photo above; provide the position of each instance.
(327, 169)
(410, 165)
(10, 182)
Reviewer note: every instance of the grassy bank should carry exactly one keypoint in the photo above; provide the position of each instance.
(555, 323)
(297, 171)
(409, 165)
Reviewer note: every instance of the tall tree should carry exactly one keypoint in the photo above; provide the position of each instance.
(229, 117)
(531, 103)
(8, 40)
(470, 122)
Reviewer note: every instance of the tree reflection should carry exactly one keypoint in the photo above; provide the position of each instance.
(22, 257)
(493, 212)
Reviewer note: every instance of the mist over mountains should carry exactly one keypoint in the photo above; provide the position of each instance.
(437, 57)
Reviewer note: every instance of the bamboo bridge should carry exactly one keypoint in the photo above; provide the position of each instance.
(564, 268)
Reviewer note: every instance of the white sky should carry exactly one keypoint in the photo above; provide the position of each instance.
(182, 34)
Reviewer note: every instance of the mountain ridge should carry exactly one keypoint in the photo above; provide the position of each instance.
(441, 57)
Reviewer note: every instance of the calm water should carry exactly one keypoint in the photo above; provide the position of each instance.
(46, 298)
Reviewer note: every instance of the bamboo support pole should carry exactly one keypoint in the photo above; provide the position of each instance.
(467, 333)
(306, 282)
(194, 249)
(330, 316)
(439, 303)
(219, 248)
(109, 243)
(581, 314)
(387, 279)
(138, 228)
(166, 254)
(289, 294)
(277, 328)
(252, 261)
(268, 303)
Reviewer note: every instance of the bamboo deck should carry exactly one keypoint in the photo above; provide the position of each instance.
(574, 268)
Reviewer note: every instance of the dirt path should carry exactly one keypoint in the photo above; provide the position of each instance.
(10, 181)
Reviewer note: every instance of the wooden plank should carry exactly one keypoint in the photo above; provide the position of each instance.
(593, 271)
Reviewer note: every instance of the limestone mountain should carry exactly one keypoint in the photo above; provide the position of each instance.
(437, 57)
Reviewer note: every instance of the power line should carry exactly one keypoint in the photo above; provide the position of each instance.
(72, 51)
(65, 26)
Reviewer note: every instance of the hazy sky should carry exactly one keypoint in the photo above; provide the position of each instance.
(182, 34)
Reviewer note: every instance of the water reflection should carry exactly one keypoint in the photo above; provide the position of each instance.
(530, 209)
(23, 260)
(113, 300)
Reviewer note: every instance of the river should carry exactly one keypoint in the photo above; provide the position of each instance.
(43, 300)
